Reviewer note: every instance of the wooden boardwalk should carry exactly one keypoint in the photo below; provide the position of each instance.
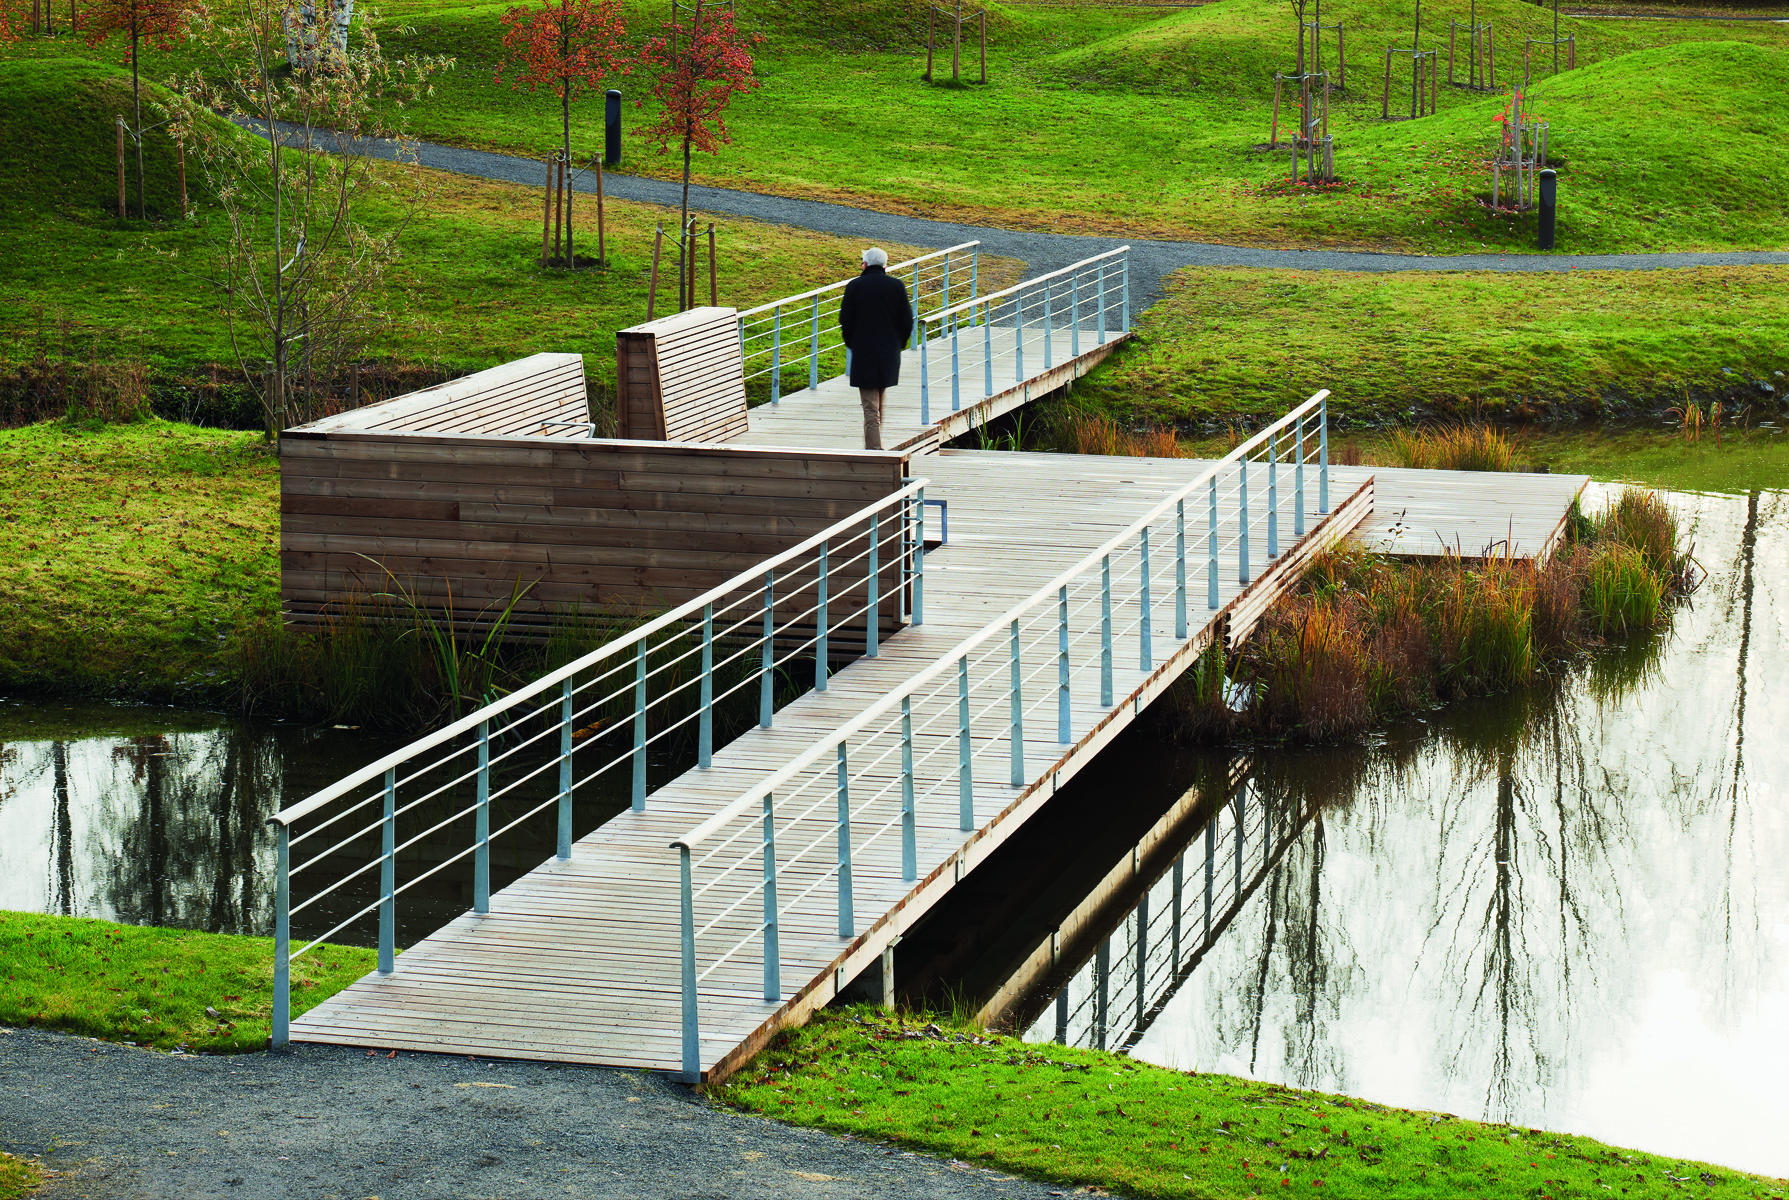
(578, 960)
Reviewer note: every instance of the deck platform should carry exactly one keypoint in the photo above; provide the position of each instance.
(578, 960)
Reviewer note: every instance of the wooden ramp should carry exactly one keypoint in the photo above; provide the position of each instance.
(579, 960)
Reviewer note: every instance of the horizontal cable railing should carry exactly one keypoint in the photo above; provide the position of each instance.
(803, 330)
(861, 789)
(669, 690)
(982, 345)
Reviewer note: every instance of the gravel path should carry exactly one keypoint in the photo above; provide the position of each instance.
(1150, 260)
(316, 1122)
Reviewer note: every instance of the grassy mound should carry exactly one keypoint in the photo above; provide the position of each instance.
(59, 142)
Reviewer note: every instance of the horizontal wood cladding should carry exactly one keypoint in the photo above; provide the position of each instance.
(682, 378)
(593, 522)
(531, 397)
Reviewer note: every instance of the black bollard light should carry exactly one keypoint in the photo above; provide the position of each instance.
(1549, 206)
(612, 128)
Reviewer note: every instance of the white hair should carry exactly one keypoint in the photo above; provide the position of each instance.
(875, 256)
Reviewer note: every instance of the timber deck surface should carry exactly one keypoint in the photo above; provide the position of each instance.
(578, 960)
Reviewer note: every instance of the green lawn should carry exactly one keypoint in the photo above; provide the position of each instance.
(18, 1176)
(1149, 122)
(151, 986)
(1084, 1117)
(1401, 346)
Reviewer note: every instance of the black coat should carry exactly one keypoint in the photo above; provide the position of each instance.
(876, 320)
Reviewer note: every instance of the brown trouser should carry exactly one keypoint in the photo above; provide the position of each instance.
(872, 416)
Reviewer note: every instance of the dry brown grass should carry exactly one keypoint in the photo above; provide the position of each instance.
(1475, 447)
(1096, 433)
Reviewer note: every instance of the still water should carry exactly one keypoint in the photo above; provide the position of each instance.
(1568, 908)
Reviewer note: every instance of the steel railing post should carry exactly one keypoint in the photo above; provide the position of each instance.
(773, 973)
(974, 273)
(909, 842)
(282, 935)
(965, 772)
(1105, 631)
(1242, 534)
(987, 350)
(956, 371)
(1298, 483)
(847, 919)
(767, 663)
(872, 626)
(1074, 315)
(1018, 713)
(814, 348)
(692, 1045)
(776, 354)
(914, 299)
(639, 793)
(925, 382)
(919, 558)
(481, 856)
(565, 732)
(1180, 569)
(1049, 360)
(821, 661)
(1124, 296)
(1273, 495)
(705, 721)
(1062, 714)
(1323, 455)
(945, 302)
(388, 907)
(1211, 549)
(1018, 338)
(1145, 651)
(1101, 286)
(1177, 902)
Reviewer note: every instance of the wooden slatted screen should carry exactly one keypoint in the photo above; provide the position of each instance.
(595, 522)
(682, 378)
(519, 398)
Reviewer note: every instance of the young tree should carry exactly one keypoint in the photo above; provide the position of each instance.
(698, 66)
(298, 271)
(155, 21)
(571, 46)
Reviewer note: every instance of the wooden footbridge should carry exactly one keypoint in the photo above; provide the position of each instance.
(845, 705)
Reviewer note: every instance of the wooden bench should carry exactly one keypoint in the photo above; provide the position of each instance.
(681, 378)
(538, 396)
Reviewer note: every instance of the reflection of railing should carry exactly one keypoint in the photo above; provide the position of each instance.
(625, 700)
(1045, 316)
(804, 329)
(1176, 921)
(918, 745)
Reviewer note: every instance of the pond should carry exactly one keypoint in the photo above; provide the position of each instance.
(1567, 908)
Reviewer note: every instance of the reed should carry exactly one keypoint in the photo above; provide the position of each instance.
(1096, 433)
(1365, 637)
(1473, 447)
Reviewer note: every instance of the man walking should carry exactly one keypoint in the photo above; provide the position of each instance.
(876, 320)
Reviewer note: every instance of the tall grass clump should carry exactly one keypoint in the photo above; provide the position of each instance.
(1096, 433)
(1364, 637)
(1453, 448)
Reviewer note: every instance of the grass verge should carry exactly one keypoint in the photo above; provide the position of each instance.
(19, 1176)
(148, 986)
(1099, 1120)
(1404, 346)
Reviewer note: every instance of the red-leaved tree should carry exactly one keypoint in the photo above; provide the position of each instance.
(570, 46)
(697, 67)
(153, 21)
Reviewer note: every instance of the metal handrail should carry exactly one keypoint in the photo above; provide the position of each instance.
(1048, 593)
(1024, 285)
(891, 268)
(745, 579)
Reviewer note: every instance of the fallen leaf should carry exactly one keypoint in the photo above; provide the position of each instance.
(501, 1085)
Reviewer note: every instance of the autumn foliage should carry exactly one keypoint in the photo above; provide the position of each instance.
(153, 21)
(697, 66)
(569, 46)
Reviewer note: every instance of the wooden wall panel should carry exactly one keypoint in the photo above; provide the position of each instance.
(682, 378)
(599, 523)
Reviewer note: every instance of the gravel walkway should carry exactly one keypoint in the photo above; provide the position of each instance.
(317, 1122)
(1150, 260)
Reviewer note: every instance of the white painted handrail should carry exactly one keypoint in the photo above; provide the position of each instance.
(904, 264)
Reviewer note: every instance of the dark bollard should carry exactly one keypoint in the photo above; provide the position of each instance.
(612, 128)
(1549, 206)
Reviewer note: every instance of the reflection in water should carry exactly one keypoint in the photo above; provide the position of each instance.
(1563, 908)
